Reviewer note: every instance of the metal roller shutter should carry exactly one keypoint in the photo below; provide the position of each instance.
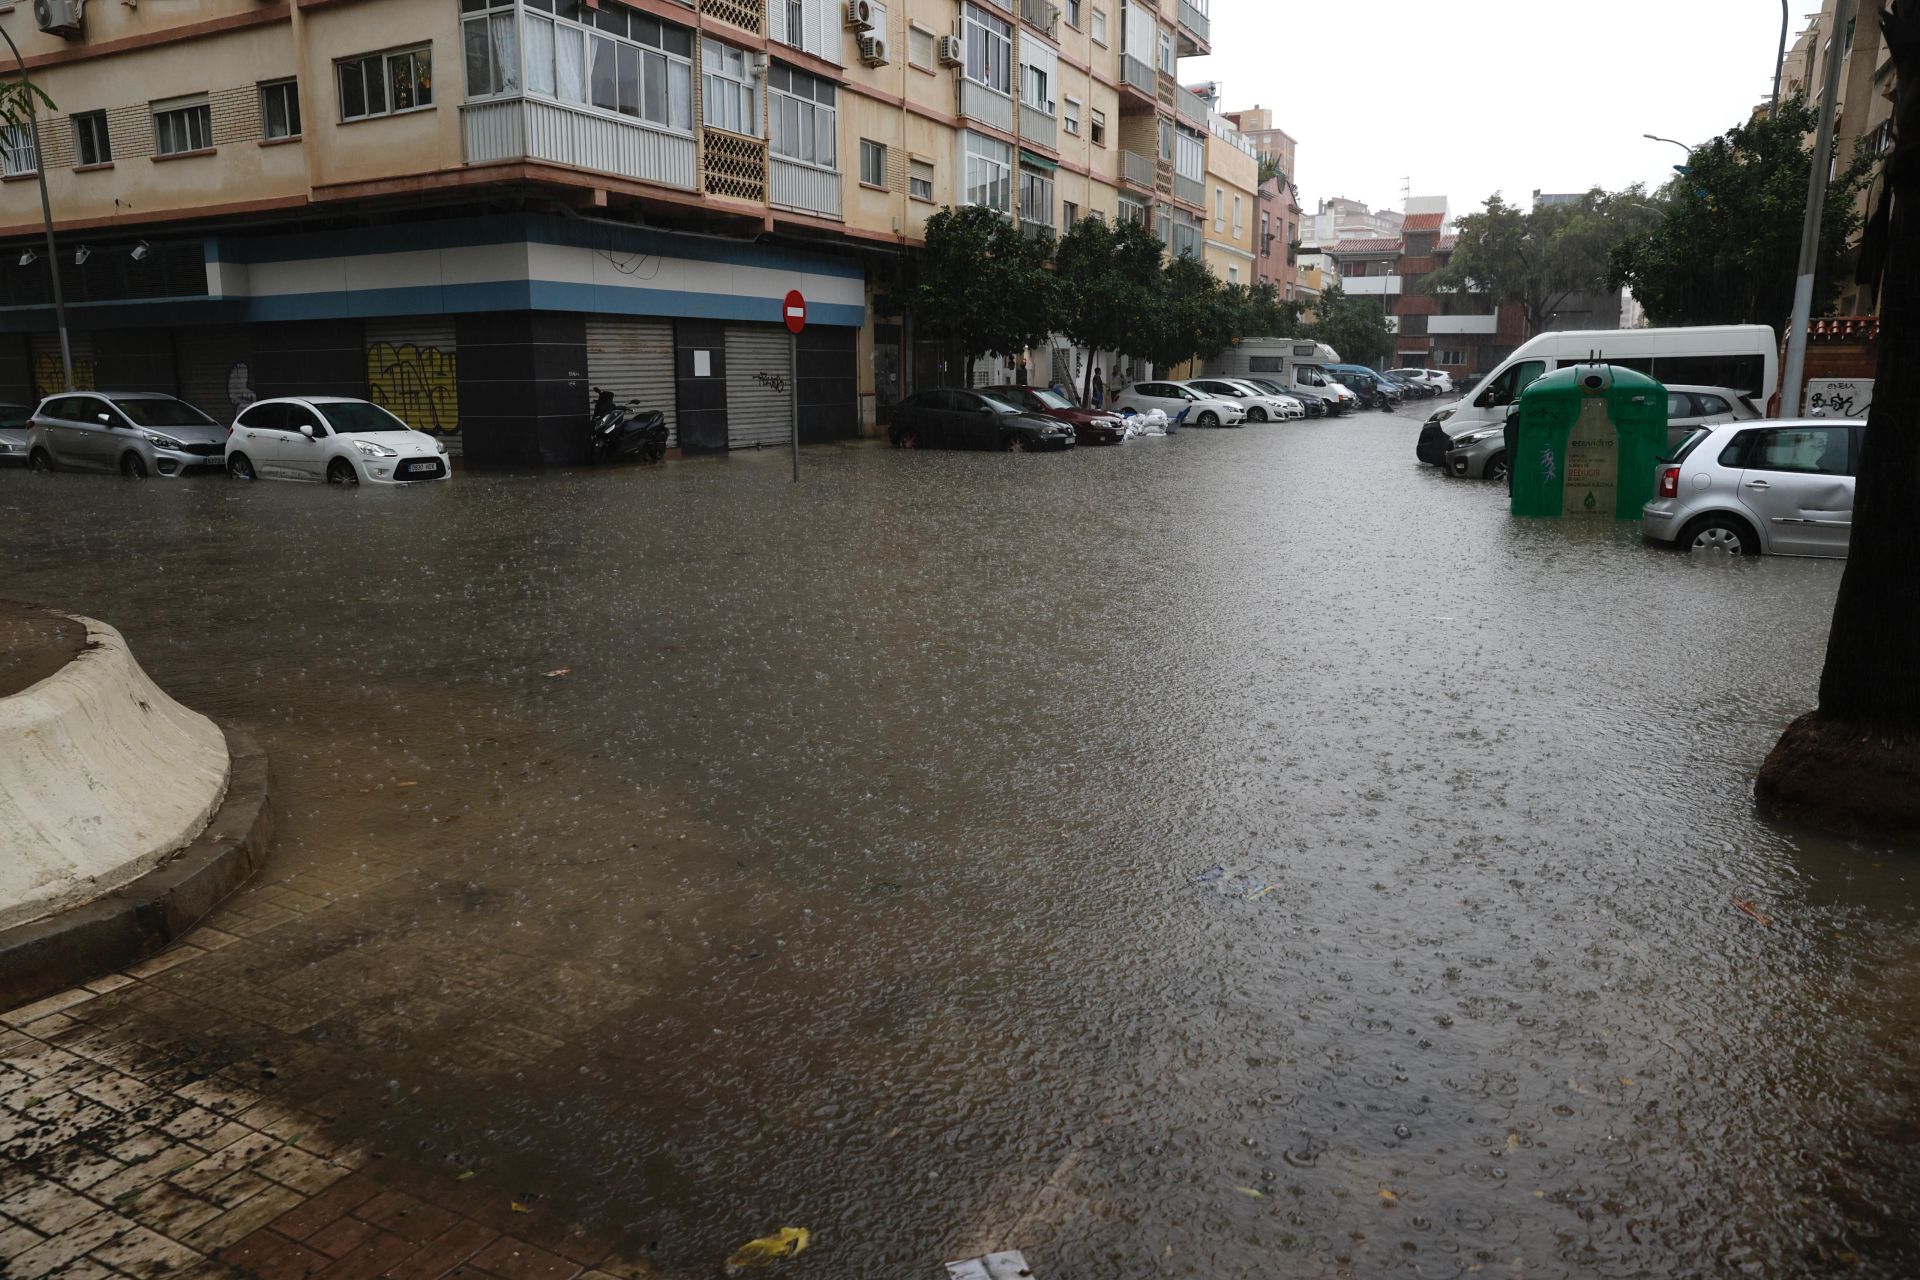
(633, 358)
(759, 385)
(411, 372)
(215, 374)
(47, 378)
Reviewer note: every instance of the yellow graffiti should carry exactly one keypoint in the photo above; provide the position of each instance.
(415, 384)
(49, 380)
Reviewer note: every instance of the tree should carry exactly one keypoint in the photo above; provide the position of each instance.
(1728, 248)
(1538, 258)
(1355, 327)
(1110, 286)
(983, 286)
(1855, 762)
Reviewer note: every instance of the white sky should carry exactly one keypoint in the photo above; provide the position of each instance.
(1476, 96)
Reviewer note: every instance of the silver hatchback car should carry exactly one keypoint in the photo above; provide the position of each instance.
(1742, 488)
(137, 433)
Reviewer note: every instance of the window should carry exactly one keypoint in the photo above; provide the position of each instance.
(989, 172)
(492, 49)
(873, 163)
(1506, 389)
(1036, 198)
(279, 109)
(1233, 275)
(1039, 74)
(1099, 27)
(90, 142)
(1710, 404)
(17, 153)
(1166, 139)
(1266, 234)
(179, 128)
(989, 48)
(1070, 117)
(920, 180)
(920, 47)
(629, 63)
(729, 95)
(1167, 63)
(803, 116)
(1239, 221)
(1069, 214)
(1821, 451)
(1450, 357)
(1133, 211)
(1190, 156)
(1097, 127)
(1073, 14)
(382, 84)
(1219, 208)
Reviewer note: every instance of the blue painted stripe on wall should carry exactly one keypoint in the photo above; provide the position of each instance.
(458, 233)
(540, 295)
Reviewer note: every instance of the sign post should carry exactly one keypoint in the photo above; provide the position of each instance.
(795, 310)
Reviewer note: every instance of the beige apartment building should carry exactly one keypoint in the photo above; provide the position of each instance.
(475, 211)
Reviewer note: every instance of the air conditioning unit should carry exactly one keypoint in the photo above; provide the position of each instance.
(951, 52)
(873, 51)
(59, 17)
(859, 14)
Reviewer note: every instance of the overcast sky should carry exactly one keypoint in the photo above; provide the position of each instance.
(1475, 96)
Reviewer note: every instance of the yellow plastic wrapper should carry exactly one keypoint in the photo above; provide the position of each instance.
(758, 1253)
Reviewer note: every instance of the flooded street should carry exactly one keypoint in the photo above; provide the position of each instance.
(859, 872)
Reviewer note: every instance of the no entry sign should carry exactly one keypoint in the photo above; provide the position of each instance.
(796, 312)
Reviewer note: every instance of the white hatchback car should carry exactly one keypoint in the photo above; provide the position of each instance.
(1260, 405)
(330, 438)
(1741, 488)
(1174, 399)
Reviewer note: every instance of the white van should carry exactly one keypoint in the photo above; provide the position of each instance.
(1745, 357)
(1292, 363)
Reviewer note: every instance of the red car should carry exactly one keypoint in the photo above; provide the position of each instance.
(1090, 426)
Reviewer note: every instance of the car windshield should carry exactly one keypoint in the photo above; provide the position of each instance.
(1246, 389)
(1688, 445)
(996, 403)
(1052, 399)
(14, 415)
(357, 415)
(163, 413)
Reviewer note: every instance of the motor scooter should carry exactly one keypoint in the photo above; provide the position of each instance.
(625, 433)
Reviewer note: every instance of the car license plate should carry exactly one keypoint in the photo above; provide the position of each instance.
(413, 467)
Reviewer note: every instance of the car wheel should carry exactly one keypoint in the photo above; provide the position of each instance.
(240, 467)
(42, 461)
(1723, 535)
(340, 471)
(1208, 419)
(906, 438)
(1496, 467)
(1016, 444)
(1256, 415)
(133, 466)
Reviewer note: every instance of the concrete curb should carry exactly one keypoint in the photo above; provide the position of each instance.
(124, 927)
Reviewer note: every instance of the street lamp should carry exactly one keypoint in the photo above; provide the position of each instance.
(1654, 137)
(46, 216)
(1779, 63)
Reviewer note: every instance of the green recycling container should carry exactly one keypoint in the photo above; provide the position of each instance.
(1585, 441)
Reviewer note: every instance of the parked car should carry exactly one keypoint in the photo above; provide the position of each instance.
(1374, 391)
(1411, 388)
(956, 418)
(1435, 378)
(16, 429)
(137, 433)
(1466, 382)
(1315, 406)
(1743, 488)
(1090, 426)
(1259, 405)
(1174, 399)
(1482, 453)
(330, 438)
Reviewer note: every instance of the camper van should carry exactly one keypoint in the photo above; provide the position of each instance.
(1293, 363)
(1745, 357)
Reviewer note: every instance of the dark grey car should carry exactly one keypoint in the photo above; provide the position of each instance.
(137, 433)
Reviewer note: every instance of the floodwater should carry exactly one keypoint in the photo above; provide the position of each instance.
(857, 875)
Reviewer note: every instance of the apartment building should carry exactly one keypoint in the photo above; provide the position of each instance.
(474, 211)
(1278, 235)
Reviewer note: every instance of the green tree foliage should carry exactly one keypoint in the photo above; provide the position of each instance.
(1355, 327)
(21, 101)
(1728, 249)
(1538, 258)
(1110, 283)
(982, 286)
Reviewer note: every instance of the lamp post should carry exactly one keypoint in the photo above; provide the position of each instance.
(1654, 137)
(1779, 63)
(1792, 376)
(46, 215)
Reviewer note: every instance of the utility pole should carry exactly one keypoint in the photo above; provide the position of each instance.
(1795, 373)
(1779, 63)
(46, 214)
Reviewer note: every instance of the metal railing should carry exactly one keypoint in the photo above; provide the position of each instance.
(1041, 14)
(1194, 18)
(1191, 106)
(988, 106)
(1136, 74)
(1136, 168)
(1038, 127)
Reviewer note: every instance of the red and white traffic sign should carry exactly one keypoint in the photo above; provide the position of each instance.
(796, 311)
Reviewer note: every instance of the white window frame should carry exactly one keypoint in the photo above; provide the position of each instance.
(916, 179)
(800, 123)
(195, 114)
(1036, 197)
(1097, 127)
(922, 47)
(989, 49)
(1189, 155)
(82, 121)
(566, 67)
(1039, 74)
(1168, 63)
(1070, 109)
(498, 26)
(729, 91)
(384, 60)
(878, 152)
(1097, 27)
(1073, 14)
(18, 156)
(289, 90)
(986, 170)
(1219, 210)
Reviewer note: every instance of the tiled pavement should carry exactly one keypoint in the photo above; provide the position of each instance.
(120, 1157)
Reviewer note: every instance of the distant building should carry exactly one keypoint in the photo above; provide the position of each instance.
(1343, 219)
(1277, 238)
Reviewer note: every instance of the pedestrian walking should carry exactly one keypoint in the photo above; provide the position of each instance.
(1020, 374)
(1099, 389)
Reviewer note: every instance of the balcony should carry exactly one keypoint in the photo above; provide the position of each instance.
(1191, 107)
(803, 188)
(1189, 190)
(1197, 28)
(1463, 324)
(988, 106)
(1371, 286)
(1137, 169)
(1040, 14)
(535, 129)
(1140, 77)
(734, 166)
(748, 15)
(1038, 128)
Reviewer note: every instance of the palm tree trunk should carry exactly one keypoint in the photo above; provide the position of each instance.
(1860, 752)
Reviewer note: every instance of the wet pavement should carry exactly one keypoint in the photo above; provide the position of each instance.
(859, 871)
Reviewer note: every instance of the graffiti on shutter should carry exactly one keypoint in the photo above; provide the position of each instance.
(48, 377)
(759, 385)
(411, 372)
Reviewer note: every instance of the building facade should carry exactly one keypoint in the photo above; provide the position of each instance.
(475, 212)
(1342, 219)
(1278, 243)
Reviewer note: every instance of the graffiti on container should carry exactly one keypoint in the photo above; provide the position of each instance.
(416, 384)
(50, 379)
(778, 381)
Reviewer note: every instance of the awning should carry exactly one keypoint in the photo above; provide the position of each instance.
(1038, 162)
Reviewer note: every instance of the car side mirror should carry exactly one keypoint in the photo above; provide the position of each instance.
(307, 431)
(105, 418)
(985, 412)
